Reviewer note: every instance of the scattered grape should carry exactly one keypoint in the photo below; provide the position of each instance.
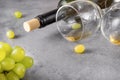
(2, 54)
(12, 76)
(2, 76)
(18, 54)
(10, 34)
(27, 61)
(18, 14)
(19, 69)
(76, 26)
(79, 49)
(8, 64)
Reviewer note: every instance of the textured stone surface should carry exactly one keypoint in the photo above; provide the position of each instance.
(53, 55)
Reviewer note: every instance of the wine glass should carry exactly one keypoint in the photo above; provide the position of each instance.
(110, 24)
(78, 20)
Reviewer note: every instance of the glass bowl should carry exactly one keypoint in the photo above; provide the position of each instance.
(78, 20)
(110, 24)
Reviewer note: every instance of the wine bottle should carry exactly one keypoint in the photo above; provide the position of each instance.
(49, 17)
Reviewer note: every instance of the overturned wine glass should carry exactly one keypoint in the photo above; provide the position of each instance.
(78, 20)
(110, 24)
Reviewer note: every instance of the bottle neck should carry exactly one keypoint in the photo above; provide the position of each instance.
(47, 18)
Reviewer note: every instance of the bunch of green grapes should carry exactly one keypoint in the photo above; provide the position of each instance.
(13, 62)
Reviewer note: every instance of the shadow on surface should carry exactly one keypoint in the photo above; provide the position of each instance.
(88, 51)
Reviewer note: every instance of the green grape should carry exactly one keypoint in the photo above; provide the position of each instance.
(2, 76)
(0, 67)
(1, 70)
(18, 14)
(2, 54)
(8, 64)
(12, 76)
(18, 54)
(7, 47)
(76, 26)
(10, 34)
(27, 61)
(19, 69)
(79, 49)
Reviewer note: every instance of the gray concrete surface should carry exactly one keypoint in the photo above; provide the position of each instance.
(54, 58)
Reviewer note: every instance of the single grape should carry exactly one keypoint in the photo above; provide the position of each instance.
(12, 76)
(7, 47)
(18, 54)
(2, 54)
(10, 34)
(8, 64)
(18, 14)
(76, 26)
(19, 69)
(2, 76)
(79, 49)
(27, 61)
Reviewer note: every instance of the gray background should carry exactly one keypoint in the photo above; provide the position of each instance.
(54, 58)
